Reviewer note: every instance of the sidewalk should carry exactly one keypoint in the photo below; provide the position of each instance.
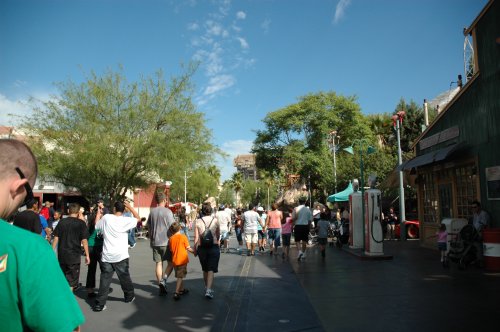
(412, 292)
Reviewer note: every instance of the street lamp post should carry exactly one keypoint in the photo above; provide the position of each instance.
(185, 187)
(398, 122)
(333, 142)
(370, 150)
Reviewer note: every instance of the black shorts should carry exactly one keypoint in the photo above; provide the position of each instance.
(301, 233)
(322, 240)
(71, 272)
(209, 258)
(286, 239)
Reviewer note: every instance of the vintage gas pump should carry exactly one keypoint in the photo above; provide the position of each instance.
(374, 236)
(355, 218)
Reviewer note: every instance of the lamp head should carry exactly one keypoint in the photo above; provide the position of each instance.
(349, 149)
(371, 150)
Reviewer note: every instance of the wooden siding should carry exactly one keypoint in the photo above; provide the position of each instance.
(477, 110)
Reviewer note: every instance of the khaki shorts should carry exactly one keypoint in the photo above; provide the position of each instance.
(161, 254)
(251, 238)
(180, 271)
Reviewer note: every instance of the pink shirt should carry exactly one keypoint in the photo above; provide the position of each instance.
(287, 227)
(274, 218)
(442, 236)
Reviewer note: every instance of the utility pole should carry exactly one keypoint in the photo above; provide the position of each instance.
(185, 187)
(333, 147)
(398, 122)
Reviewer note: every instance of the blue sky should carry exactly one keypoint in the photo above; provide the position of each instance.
(257, 56)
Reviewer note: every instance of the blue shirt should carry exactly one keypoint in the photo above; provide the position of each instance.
(44, 224)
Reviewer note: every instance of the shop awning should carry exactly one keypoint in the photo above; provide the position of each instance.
(428, 158)
(342, 196)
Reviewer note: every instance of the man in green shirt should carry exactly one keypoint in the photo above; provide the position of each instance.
(26, 257)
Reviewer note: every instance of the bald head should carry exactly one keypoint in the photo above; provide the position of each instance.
(14, 153)
(18, 169)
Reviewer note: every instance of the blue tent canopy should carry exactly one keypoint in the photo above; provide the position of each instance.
(342, 196)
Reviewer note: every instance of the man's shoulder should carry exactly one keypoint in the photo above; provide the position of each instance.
(22, 238)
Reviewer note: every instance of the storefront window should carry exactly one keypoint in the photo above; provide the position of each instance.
(429, 198)
(465, 177)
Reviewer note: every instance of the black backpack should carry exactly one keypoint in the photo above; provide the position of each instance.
(207, 239)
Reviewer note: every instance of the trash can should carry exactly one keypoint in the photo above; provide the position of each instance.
(491, 249)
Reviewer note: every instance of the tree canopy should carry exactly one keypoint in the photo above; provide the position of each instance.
(107, 135)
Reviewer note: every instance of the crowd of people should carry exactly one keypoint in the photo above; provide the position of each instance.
(103, 237)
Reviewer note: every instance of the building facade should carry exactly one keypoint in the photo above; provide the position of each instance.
(457, 157)
(245, 164)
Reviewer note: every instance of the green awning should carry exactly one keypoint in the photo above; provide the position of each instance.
(342, 196)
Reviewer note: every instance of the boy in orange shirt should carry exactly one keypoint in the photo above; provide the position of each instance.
(179, 246)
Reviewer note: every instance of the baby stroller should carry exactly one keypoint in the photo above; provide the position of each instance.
(340, 233)
(312, 237)
(462, 250)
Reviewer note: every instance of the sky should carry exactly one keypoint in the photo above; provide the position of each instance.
(256, 56)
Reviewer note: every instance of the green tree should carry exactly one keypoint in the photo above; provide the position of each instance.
(237, 183)
(107, 135)
(294, 140)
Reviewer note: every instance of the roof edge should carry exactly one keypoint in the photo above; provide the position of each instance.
(468, 30)
(455, 98)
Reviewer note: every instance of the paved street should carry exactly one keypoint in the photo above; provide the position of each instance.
(412, 292)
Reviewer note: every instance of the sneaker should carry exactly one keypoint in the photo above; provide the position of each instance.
(209, 294)
(130, 300)
(299, 256)
(163, 289)
(132, 246)
(98, 308)
(304, 255)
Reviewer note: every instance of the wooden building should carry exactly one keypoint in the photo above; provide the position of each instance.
(458, 155)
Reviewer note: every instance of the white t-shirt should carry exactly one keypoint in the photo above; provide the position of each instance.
(251, 220)
(224, 221)
(115, 233)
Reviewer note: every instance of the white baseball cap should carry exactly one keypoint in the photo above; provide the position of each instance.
(260, 209)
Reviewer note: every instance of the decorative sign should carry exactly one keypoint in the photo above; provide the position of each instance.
(493, 182)
(440, 137)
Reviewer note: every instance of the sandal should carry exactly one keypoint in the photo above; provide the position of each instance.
(184, 291)
(177, 296)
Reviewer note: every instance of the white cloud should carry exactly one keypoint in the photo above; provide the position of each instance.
(213, 28)
(221, 48)
(241, 15)
(219, 83)
(19, 107)
(243, 43)
(193, 26)
(7, 107)
(19, 83)
(266, 25)
(232, 148)
(340, 10)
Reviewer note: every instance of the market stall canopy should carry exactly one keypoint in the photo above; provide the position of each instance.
(342, 196)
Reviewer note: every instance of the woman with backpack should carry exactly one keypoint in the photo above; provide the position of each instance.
(206, 239)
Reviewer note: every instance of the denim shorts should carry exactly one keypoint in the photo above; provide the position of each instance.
(224, 236)
(274, 235)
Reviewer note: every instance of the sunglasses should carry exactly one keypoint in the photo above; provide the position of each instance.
(27, 187)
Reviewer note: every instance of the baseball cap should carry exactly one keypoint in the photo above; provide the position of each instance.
(260, 209)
